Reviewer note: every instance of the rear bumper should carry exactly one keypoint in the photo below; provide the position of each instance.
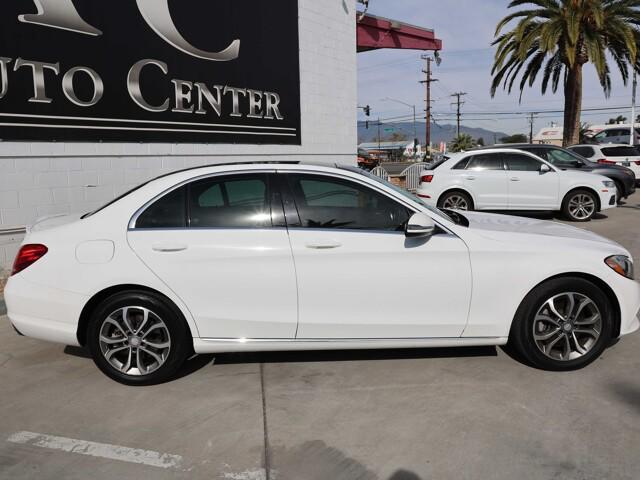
(43, 312)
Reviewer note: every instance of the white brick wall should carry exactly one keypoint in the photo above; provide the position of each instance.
(39, 179)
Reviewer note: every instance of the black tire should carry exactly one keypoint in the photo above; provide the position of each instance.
(578, 198)
(170, 327)
(523, 342)
(619, 192)
(455, 197)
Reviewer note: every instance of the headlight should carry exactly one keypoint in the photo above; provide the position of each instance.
(609, 183)
(621, 264)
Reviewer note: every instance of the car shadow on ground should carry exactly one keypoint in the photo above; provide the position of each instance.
(549, 215)
(311, 356)
(197, 362)
(628, 393)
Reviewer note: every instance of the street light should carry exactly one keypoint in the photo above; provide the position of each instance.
(415, 131)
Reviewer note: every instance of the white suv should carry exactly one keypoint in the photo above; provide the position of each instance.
(624, 155)
(510, 179)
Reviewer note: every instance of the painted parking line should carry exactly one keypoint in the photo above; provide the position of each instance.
(102, 450)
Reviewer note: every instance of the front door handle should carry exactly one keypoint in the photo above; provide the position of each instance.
(323, 245)
(169, 247)
(515, 179)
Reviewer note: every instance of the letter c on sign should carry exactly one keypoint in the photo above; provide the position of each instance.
(156, 13)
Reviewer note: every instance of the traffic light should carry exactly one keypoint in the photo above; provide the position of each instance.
(367, 111)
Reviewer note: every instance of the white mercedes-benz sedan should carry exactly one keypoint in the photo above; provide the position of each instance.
(511, 179)
(255, 257)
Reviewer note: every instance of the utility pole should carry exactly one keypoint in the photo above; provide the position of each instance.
(632, 137)
(378, 135)
(428, 81)
(458, 104)
(532, 117)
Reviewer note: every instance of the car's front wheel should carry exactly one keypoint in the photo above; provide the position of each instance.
(563, 324)
(580, 206)
(137, 338)
(455, 200)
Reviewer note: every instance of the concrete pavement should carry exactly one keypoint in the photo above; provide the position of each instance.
(397, 415)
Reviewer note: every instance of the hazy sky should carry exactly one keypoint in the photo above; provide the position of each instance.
(466, 28)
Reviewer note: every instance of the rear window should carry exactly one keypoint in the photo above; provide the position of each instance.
(621, 151)
(586, 152)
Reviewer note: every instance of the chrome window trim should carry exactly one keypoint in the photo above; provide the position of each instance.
(402, 201)
(365, 183)
(134, 218)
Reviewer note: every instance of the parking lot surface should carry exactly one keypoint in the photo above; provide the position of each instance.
(391, 415)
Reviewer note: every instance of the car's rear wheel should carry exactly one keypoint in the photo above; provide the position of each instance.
(580, 205)
(455, 200)
(563, 324)
(137, 338)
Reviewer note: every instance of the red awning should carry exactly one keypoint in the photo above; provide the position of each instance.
(378, 32)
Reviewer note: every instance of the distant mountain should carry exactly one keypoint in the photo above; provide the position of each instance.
(439, 132)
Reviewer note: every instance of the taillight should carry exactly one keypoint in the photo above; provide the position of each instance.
(606, 162)
(637, 163)
(28, 255)
(426, 178)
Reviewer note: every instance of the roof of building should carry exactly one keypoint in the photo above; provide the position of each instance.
(375, 32)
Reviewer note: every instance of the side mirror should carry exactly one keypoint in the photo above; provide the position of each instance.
(544, 168)
(420, 225)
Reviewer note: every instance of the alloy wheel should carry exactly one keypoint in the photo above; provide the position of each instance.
(135, 341)
(582, 206)
(456, 202)
(567, 326)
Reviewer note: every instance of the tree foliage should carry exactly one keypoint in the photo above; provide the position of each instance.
(517, 138)
(556, 38)
(462, 143)
(618, 119)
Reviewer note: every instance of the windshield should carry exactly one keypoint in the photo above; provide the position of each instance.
(401, 191)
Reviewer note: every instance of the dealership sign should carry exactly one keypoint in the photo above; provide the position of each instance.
(188, 71)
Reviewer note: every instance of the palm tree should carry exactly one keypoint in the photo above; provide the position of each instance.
(566, 34)
(617, 120)
(461, 143)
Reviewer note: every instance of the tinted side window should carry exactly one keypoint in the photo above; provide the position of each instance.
(586, 152)
(490, 161)
(621, 152)
(167, 212)
(539, 152)
(239, 201)
(462, 164)
(562, 159)
(328, 202)
(521, 163)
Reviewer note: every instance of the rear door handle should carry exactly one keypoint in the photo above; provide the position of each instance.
(169, 247)
(323, 245)
(470, 177)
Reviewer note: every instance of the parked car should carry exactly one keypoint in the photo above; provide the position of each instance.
(619, 134)
(262, 257)
(565, 159)
(612, 154)
(510, 179)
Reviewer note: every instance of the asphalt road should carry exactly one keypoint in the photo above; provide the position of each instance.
(399, 415)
